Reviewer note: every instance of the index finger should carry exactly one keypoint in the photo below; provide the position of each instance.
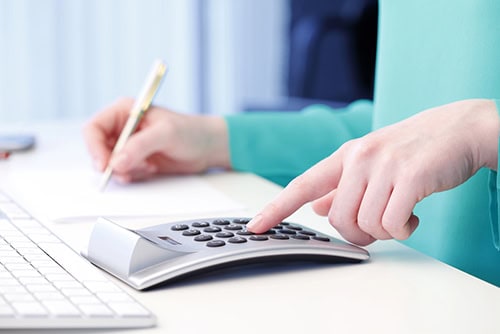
(314, 183)
(95, 140)
(99, 131)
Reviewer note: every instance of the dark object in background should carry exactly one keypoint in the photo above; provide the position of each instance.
(332, 49)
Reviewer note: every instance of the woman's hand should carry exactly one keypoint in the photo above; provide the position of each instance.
(369, 187)
(164, 142)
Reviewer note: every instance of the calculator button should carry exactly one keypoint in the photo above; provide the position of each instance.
(180, 227)
(278, 227)
(200, 224)
(280, 237)
(258, 238)
(241, 221)
(212, 229)
(300, 237)
(286, 231)
(203, 237)
(269, 232)
(215, 243)
(237, 240)
(284, 223)
(224, 235)
(233, 227)
(245, 232)
(294, 227)
(309, 233)
(221, 222)
(320, 238)
(191, 233)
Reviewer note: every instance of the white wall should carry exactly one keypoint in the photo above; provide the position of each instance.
(67, 59)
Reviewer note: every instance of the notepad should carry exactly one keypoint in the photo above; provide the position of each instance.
(70, 195)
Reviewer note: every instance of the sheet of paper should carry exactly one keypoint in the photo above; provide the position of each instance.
(74, 194)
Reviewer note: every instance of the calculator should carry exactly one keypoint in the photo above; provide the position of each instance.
(168, 252)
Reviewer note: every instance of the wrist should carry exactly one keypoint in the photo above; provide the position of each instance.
(487, 148)
(217, 154)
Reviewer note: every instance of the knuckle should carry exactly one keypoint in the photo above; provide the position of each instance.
(374, 229)
(390, 226)
(396, 229)
(365, 148)
(337, 219)
(365, 225)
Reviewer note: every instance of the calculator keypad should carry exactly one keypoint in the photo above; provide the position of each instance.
(220, 232)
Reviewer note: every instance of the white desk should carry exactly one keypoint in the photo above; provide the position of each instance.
(398, 291)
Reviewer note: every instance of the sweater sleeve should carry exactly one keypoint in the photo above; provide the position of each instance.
(281, 145)
(494, 196)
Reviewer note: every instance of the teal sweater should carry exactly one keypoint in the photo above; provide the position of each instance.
(430, 52)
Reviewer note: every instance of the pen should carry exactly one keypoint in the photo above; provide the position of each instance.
(140, 106)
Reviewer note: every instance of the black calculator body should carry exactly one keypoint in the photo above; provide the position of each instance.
(167, 252)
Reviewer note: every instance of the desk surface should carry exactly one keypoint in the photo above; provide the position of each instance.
(398, 291)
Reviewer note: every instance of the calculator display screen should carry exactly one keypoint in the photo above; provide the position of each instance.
(169, 240)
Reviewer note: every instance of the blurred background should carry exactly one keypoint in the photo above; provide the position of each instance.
(68, 59)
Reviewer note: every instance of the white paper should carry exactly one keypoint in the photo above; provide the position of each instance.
(74, 194)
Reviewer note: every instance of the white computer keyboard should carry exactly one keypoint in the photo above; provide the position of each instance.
(45, 284)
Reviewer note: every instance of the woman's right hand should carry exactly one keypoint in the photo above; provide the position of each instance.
(165, 142)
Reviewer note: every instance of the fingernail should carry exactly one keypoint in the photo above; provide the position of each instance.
(255, 222)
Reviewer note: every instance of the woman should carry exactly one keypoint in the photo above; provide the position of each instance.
(433, 126)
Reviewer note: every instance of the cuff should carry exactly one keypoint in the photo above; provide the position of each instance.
(494, 195)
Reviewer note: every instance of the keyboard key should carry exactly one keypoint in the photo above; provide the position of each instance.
(129, 309)
(19, 297)
(96, 310)
(49, 295)
(113, 297)
(41, 288)
(6, 311)
(85, 300)
(61, 307)
(29, 309)
(80, 292)
(12, 289)
(96, 286)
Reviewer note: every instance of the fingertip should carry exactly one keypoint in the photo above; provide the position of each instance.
(259, 225)
(255, 224)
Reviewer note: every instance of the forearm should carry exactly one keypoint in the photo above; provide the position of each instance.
(282, 145)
